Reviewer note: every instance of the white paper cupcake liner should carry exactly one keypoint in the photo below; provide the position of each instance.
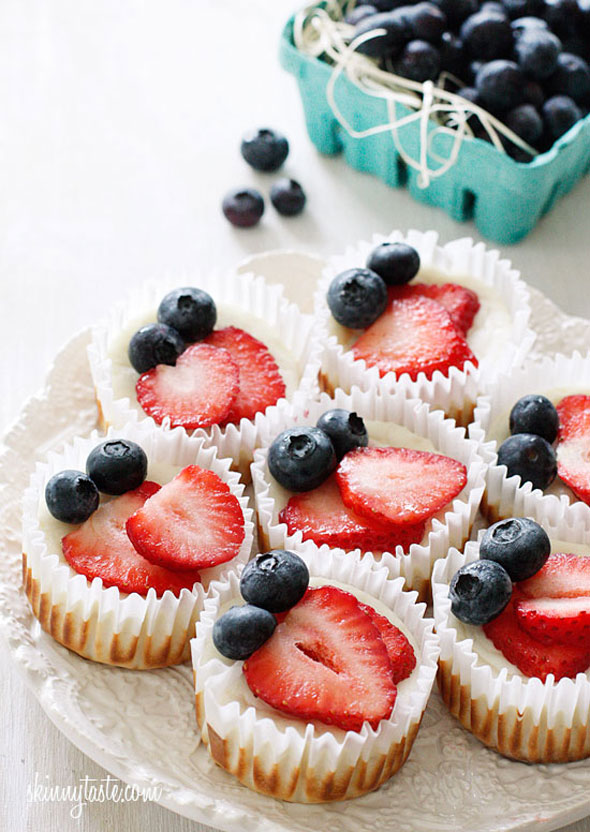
(555, 377)
(105, 624)
(279, 324)
(449, 527)
(287, 758)
(457, 392)
(522, 718)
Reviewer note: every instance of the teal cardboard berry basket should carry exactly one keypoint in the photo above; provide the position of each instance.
(505, 198)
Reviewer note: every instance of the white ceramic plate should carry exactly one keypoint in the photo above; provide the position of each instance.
(141, 725)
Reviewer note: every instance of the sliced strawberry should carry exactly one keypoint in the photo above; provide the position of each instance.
(556, 620)
(194, 521)
(573, 445)
(563, 576)
(197, 392)
(414, 335)
(400, 652)
(530, 656)
(462, 304)
(100, 548)
(261, 383)
(321, 516)
(398, 485)
(325, 661)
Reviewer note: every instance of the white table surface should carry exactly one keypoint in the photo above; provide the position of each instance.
(120, 127)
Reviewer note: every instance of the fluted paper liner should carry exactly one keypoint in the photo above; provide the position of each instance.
(508, 496)
(310, 762)
(522, 718)
(456, 392)
(255, 300)
(449, 527)
(105, 624)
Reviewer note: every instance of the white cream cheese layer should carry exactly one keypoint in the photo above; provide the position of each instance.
(381, 434)
(483, 647)
(124, 377)
(492, 319)
(238, 691)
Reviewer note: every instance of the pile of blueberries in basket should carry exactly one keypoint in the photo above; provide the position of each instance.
(524, 61)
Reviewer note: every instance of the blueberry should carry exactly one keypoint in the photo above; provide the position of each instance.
(487, 35)
(427, 22)
(301, 459)
(537, 53)
(388, 43)
(396, 263)
(346, 430)
(117, 466)
(71, 496)
(189, 311)
(357, 297)
(563, 16)
(535, 414)
(457, 11)
(495, 7)
(523, 8)
(451, 54)
(275, 581)
(154, 344)
(501, 85)
(264, 149)
(243, 207)
(518, 544)
(529, 456)
(571, 77)
(560, 113)
(419, 61)
(533, 93)
(525, 25)
(359, 13)
(526, 122)
(241, 631)
(288, 197)
(479, 591)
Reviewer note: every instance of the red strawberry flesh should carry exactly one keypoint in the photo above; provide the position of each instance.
(398, 485)
(193, 522)
(100, 548)
(325, 661)
(322, 516)
(400, 651)
(462, 304)
(564, 575)
(261, 383)
(532, 657)
(414, 335)
(573, 445)
(198, 391)
(556, 620)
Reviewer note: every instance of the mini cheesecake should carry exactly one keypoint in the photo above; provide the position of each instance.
(498, 336)
(94, 617)
(244, 302)
(291, 758)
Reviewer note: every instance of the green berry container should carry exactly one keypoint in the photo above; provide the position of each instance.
(505, 198)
